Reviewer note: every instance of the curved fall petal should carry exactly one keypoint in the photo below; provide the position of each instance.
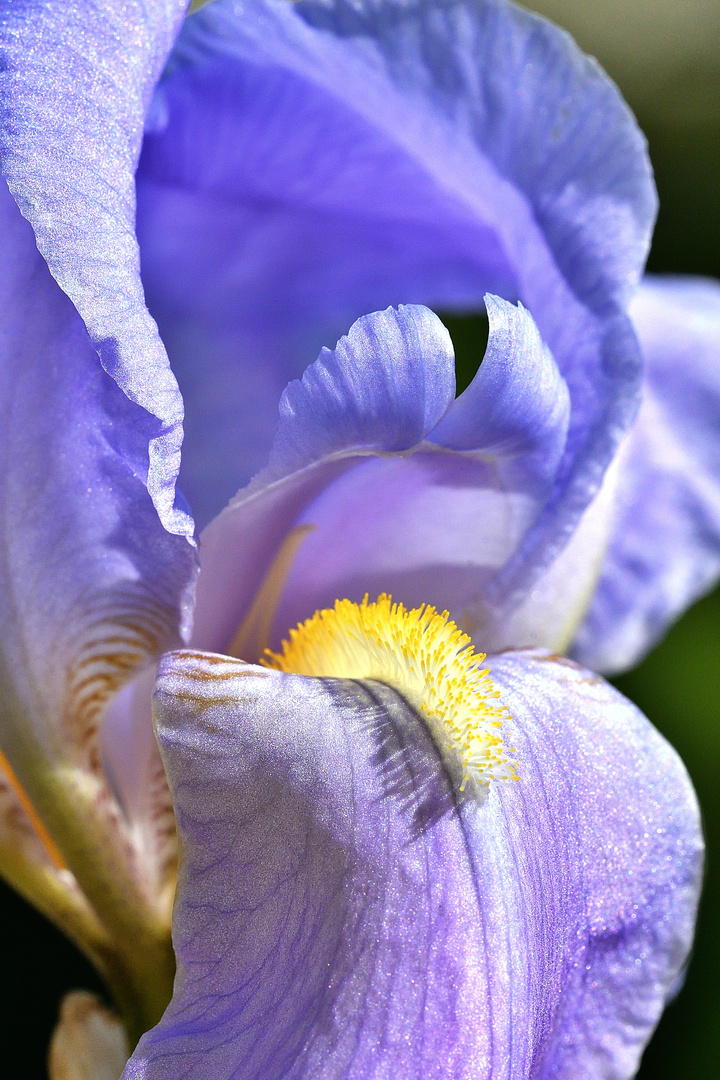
(92, 586)
(440, 528)
(381, 506)
(307, 163)
(75, 82)
(664, 550)
(342, 913)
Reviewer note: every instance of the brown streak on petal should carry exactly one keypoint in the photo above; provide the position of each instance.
(210, 659)
(216, 677)
(201, 704)
(114, 643)
(557, 658)
(163, 822)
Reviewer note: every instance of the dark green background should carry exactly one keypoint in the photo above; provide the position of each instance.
(678, 686)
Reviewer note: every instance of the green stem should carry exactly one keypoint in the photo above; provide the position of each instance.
(139, 965)
(139, 1006)
(126, 928)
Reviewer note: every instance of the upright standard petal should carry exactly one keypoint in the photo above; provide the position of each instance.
(75, 82)
(343, 912)
(92, 587)
(665, 546)
(517, 406)
(308, 163)
(385, 386)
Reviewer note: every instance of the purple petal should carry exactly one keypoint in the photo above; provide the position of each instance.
(433, 528)
(518, 405)
(665, 548)
(75, 81)
(354, 458)
(91, 584)
(384, 387)
(310, 163)
(341, 914)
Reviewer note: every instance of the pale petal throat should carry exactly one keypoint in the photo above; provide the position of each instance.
(422, 654)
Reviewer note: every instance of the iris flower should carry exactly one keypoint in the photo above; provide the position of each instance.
(399, 857)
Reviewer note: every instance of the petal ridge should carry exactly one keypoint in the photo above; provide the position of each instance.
(68, 150)
(664, 549)
(518, 404)
(383, 387)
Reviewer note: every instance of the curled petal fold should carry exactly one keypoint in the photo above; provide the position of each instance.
(92, 586)
(382, 506)
(343, 913)
(385, 386)
(664, 550)
(306, 164)
(362, 399)
(75, 82)
(518, 405)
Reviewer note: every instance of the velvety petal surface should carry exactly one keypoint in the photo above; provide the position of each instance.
(308, 163)
(381, 506)
(665, 546)
(75, 82)
(385, 386)
(517, 406)
(92, 586)
(342, 913)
